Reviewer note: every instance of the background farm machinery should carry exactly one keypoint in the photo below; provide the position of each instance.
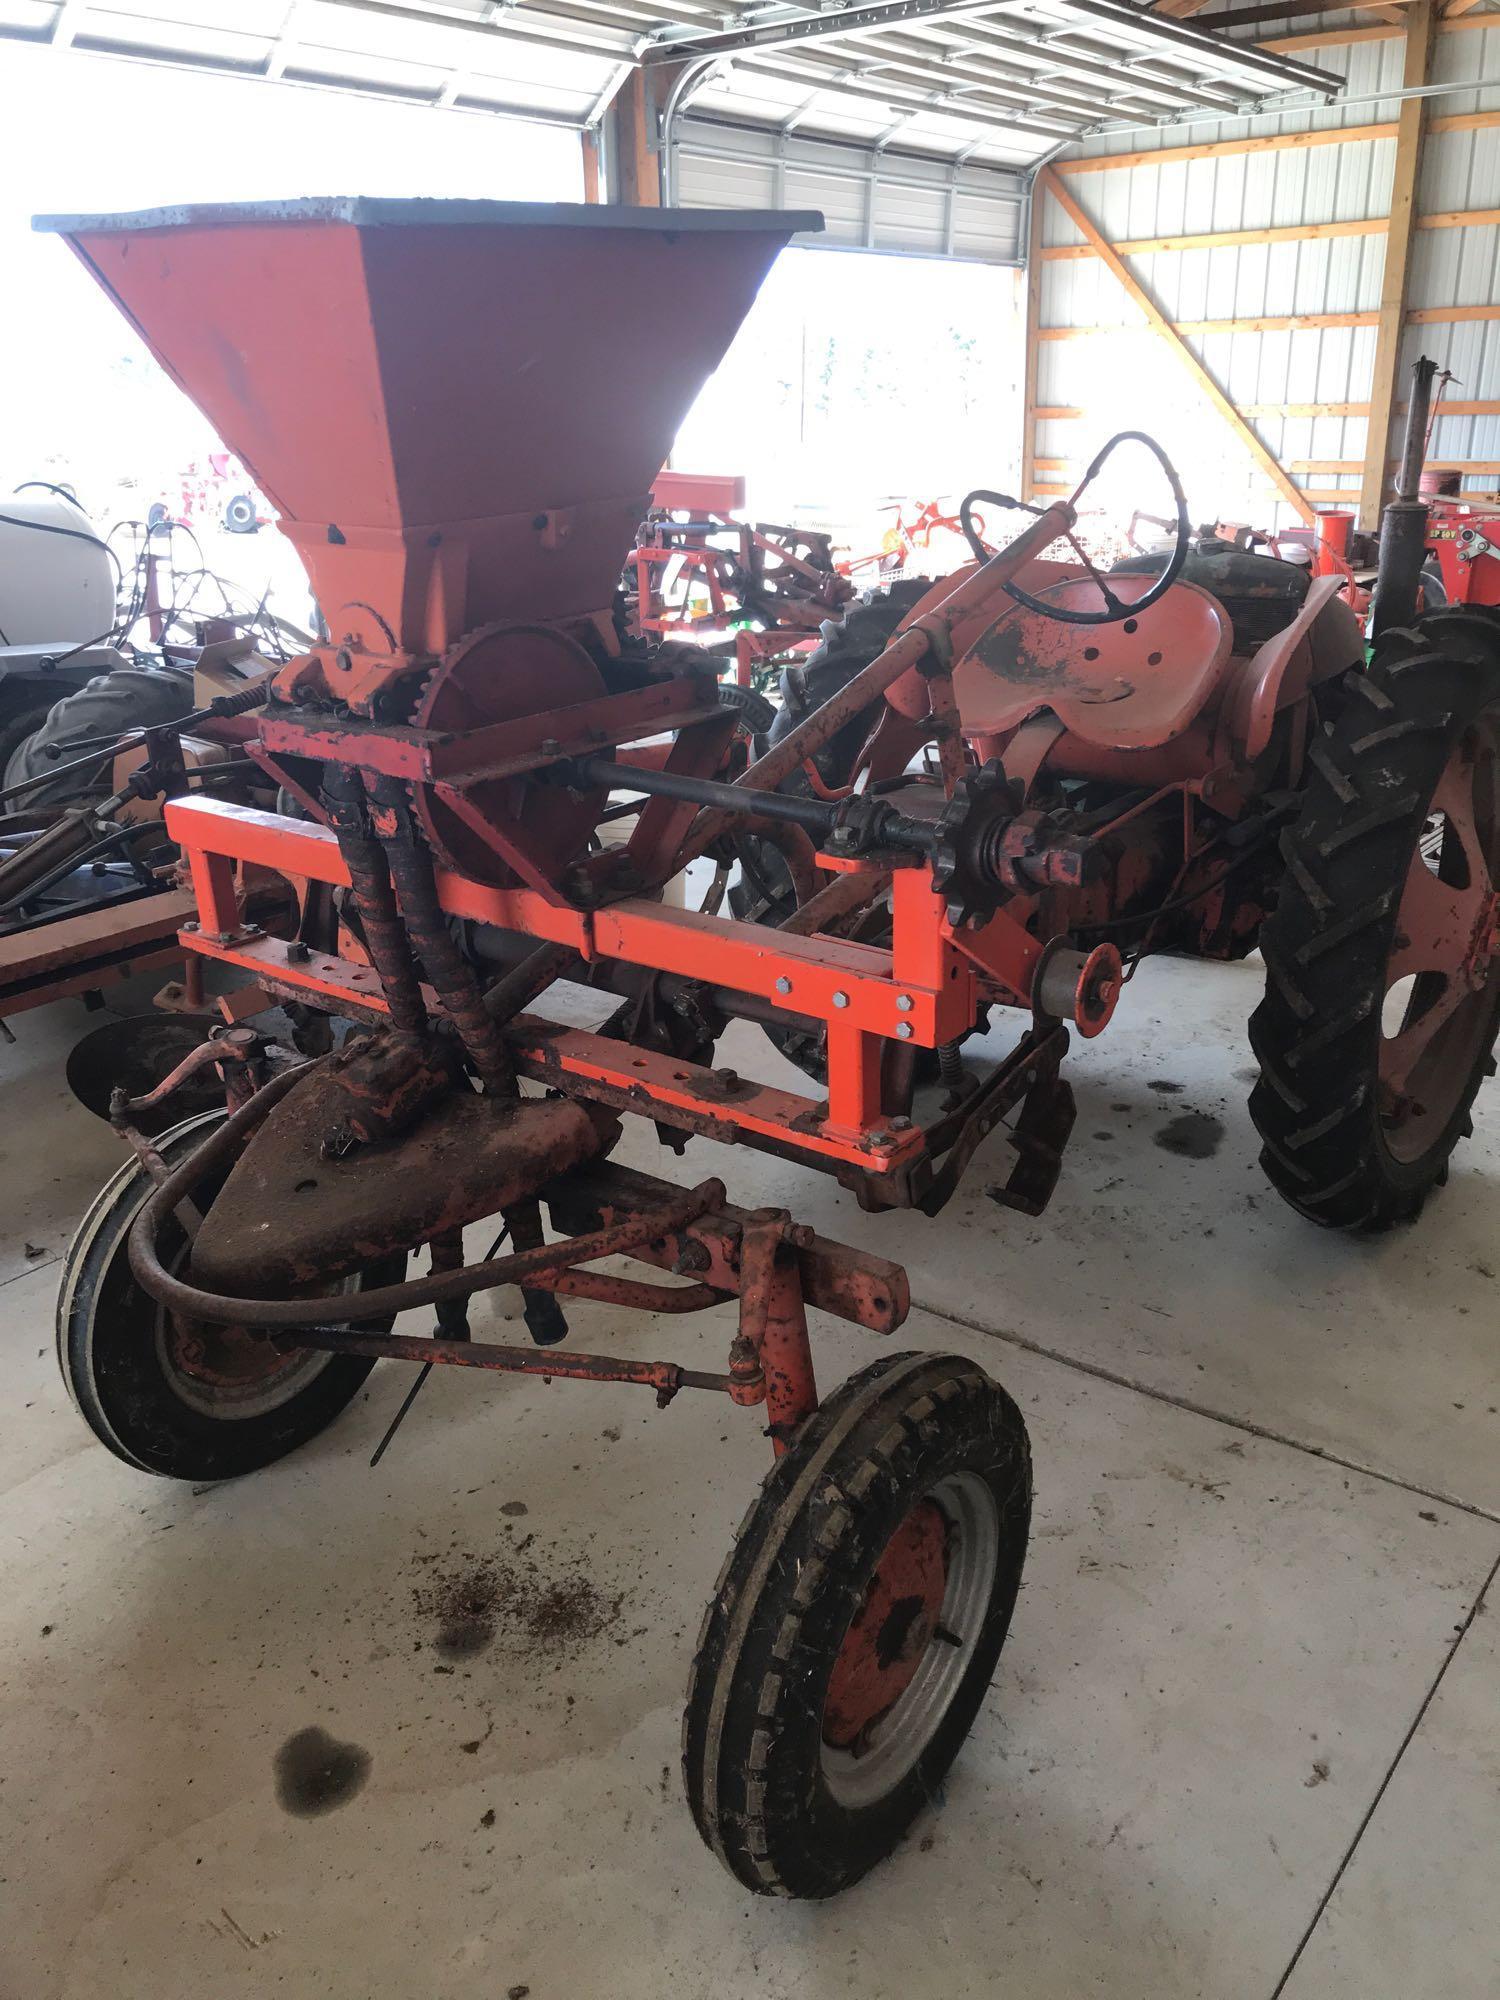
(1446, 540)
(994, 793)
(119, 693)
(748, 591)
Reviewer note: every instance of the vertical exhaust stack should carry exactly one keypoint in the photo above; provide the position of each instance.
(457, 407)
(1403, 527)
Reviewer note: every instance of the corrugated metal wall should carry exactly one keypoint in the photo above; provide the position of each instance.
(869, 201)
(1125, 376)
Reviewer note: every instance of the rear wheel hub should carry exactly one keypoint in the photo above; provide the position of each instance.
(1439, 977)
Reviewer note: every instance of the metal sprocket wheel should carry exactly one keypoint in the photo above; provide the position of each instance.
(501, 673)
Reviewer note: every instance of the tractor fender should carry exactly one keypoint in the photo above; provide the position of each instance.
(1322, 641)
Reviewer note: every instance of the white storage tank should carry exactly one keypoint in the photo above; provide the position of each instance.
(56, 579)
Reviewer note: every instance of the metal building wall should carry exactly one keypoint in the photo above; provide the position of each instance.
(1112, 375)
(1461, 267)
(870, 200)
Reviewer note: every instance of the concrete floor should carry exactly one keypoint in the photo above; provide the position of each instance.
(1244, 1741)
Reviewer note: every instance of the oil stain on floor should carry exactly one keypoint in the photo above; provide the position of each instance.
(315, 1773)
(1193, 1135)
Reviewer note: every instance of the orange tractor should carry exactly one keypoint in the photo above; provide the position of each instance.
(982, 801)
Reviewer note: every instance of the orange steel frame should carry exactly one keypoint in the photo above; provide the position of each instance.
(924, 988)
(926, 980)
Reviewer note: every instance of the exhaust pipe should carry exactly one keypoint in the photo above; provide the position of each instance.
(1403, 527)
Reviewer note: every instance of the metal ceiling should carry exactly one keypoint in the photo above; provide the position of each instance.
(994, 81)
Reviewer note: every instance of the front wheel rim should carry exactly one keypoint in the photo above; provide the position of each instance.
(889, 1746)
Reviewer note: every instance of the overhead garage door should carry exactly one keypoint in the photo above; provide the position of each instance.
(870, 200)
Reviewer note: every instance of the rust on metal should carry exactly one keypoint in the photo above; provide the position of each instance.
(226, 1049)
(854, 1285)
(665, 1377)
(891, 1630)
(773, 1321)
(379, 1086)
(297, 1208)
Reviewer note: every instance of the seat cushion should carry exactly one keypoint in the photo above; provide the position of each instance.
(1136, 683)
(1262, 594)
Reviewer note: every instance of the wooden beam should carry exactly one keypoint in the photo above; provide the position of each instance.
(1328, 38)
(1298, 232)
(1279, 323)
(1460, 218)
(1456, 7)
(1223, 149)
(1349, 496)
(1290, 323)
(1470, 408)
(1446, 315)
(1170, 336)
(588, 139)
(1276, 142)
(1029, 410)
(1271, 323)
(629, 118)
(1397, 276)
(1471, 467)
(1226, 239)
(1306, 409)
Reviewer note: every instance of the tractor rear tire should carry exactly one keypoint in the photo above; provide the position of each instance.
(857, 1624)
(847, 646)
(174, 1398)
(1382, 968)
(125, 698)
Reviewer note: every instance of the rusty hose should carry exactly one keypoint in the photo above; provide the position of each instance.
(385, 935)
(410, 863)
(547, 1260)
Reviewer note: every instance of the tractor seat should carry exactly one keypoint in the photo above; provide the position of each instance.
(1262, 594)
(1131, 685)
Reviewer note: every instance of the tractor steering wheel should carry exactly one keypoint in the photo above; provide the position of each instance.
(1114, 609)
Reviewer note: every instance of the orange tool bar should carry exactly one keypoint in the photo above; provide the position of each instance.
(713, 1103)
(852, 986)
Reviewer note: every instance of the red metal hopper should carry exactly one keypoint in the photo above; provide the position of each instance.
(458, 407)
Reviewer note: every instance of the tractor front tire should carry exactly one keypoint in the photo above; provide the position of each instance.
(1382, 956)
(857, 1623)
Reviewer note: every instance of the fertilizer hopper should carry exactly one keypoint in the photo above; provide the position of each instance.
(457, 407)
